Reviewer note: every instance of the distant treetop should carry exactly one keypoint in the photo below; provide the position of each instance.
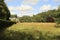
(1, 0)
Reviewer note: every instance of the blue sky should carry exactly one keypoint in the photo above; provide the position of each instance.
(31, 7)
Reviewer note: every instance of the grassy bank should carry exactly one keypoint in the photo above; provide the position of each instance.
(32, 31)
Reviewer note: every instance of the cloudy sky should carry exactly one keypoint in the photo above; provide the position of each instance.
(31, 7)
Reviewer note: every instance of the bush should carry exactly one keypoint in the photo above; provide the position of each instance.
(5, 23)
(33, 35)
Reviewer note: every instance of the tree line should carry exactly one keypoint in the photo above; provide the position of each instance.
(49, 16)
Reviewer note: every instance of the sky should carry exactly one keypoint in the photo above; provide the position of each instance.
(31, 7)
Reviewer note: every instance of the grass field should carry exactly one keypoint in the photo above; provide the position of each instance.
(34, 26)
(41, 31)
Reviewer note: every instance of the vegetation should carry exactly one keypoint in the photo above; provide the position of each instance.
(4, 12)
(49, 16)
(4, 16)
(31, 31)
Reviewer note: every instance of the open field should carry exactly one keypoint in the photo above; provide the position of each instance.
(34, 26)
(34, 31)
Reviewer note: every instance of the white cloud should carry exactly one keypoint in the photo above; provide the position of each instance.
(45, 0)
(45, 8)
(25, 8)
(33, 2)
(13, 12)
(55, 7)
(9, 0)
(56, 0)
(11, 8)
(21, 10)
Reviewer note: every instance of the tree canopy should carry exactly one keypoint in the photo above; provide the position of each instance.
(4, 12)
(49, 16)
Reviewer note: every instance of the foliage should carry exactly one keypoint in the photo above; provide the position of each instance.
(31, 31)
(43, 17)
(4, 12)
(25, 19)
(4, 24)
(13, 16)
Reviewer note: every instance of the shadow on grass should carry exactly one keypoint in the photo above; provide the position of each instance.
(3, 25)
(18, 35)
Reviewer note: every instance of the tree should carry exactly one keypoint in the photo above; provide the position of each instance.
(48, 16)
(49, 19)
(4, 12)
(58, 18)
(25, 19)
(13, 16)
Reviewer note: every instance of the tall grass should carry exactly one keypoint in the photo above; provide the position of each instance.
(31, 31)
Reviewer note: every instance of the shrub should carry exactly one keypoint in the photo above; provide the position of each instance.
(19, 35)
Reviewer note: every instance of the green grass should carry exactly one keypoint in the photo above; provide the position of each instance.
(32, 31)
(34, 27)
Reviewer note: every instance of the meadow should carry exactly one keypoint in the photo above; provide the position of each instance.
(32, 31)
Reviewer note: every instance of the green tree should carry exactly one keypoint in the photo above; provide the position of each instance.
(4, 12)
(44, 16)
(25, 19)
